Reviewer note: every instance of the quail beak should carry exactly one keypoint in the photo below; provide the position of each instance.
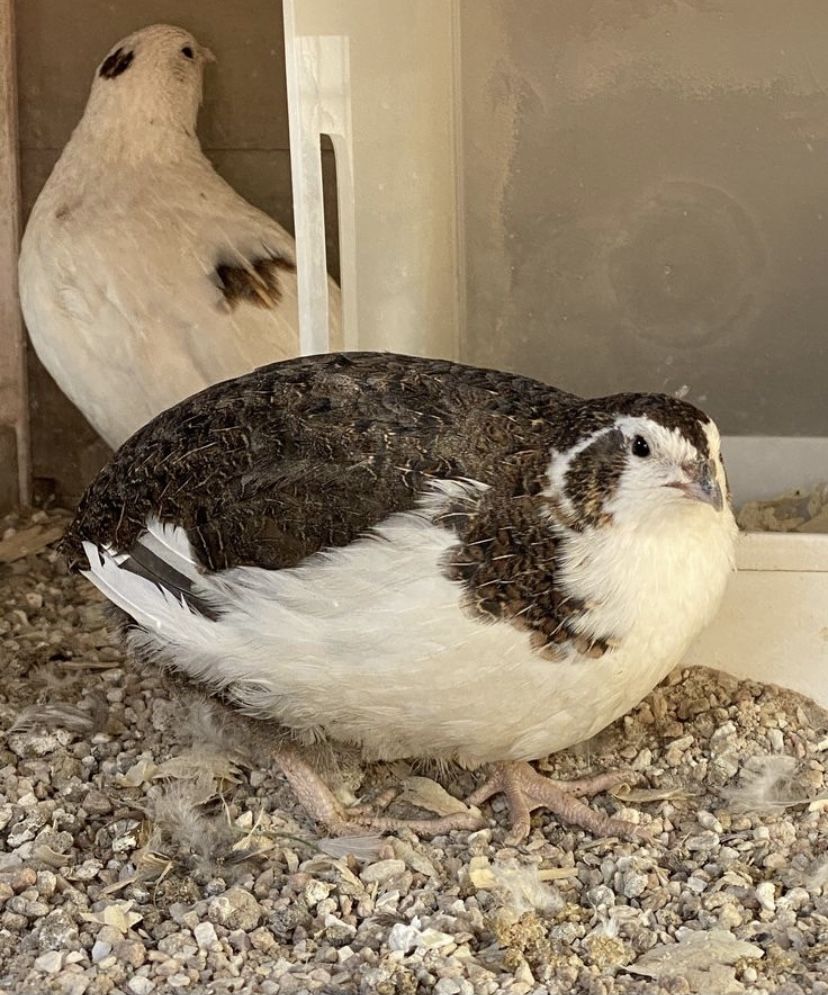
(207, 55)
(700, 484)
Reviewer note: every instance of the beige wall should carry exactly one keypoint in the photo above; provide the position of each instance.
(243, 128)
(646, 199)
(14, 476)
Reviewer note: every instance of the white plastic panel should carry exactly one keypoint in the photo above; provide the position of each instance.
(773, 624)
(378, 75)
(761, 468)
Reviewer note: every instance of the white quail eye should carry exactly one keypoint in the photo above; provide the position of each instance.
(187, 52)
(640, 447)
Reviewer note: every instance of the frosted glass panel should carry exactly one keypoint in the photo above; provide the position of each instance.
(646, 200)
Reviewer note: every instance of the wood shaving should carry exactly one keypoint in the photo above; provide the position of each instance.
(795, 511)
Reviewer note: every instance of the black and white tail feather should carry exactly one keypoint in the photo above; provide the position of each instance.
(170, 544)
(153, 581)
(174, 608)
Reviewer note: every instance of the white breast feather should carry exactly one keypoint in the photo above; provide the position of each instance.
(370, 643)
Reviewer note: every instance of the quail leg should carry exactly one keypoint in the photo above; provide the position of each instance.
(319, 802)
(526, 790)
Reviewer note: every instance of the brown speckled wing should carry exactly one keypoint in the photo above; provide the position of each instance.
(507, 558)
(308, 454)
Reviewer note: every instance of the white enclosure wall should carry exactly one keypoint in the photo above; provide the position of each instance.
(379, 78)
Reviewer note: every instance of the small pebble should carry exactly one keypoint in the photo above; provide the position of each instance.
(633, 884)
(131, 952)
(100, 950)
(205, 935)
(50, 962)
(139, 985)
(382, 870)
(97, 803)
(316, 891)
(236, 909)
(766, 895)
(709, 821)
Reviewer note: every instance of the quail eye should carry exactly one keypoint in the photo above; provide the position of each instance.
(640, 447)
(187, 52)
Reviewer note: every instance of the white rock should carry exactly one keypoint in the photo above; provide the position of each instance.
(696, 885)
(433, 939)
(73, 984)
(382, 870)
(316, 892)
(332, 922)
(632, 884)
(447, 986)
(37, 742)
(766, 895)
(50, 962)
(100, 950)
(236, 909)
(205, 935)
(403, 936)
(709, 821)
(140, 985)
(524, 973)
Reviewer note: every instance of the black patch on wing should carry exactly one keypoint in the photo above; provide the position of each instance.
(258, 285)
(593, 477)
(507, 561)
(146, 564)
(116, 63)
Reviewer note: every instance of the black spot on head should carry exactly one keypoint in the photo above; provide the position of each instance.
(187, 52)
(116, 63)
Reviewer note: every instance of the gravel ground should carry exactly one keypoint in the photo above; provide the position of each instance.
(144, 851)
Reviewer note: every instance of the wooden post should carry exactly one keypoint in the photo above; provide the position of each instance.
(14, 408)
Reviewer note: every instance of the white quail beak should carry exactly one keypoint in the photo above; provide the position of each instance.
(206, 54)
(700, 484)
